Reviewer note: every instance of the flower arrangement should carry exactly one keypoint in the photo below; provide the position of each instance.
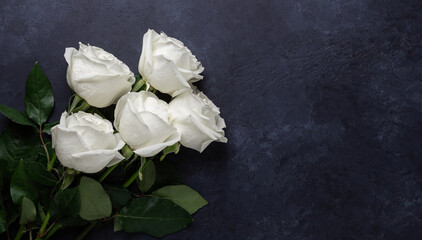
(115, 132)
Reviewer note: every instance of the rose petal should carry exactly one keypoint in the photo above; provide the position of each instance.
(166, 77)
(152, 150)
(132, 129)
(66, 142)
(97, 76)
(84, 142)
(95, 161)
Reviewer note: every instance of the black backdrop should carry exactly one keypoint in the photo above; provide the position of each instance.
(322, 100)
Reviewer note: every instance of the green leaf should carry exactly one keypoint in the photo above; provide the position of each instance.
(48, 126)
(183, 196)
(22, 186)
(41, 212)
(39, 174)
(28, 179)
(167, 174)
(154, 216)
(65, 208)
(17, 142)
(95, 203)
(146, 175)
(42, 156)
(117, 225)
(119, 195)
(3, 221)
(39, 99)
(29, 212)
(44, 197)
(170, 149)
(16, 116)
(66, 203)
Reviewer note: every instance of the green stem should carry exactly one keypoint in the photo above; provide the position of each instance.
(44, 225)
(53, 231)
(44, 146)
(20, 232)
(131, 179)
(108, 171)
(146, 164)
(86, 231)
(51, 163)
(136, 173)
(130, 162)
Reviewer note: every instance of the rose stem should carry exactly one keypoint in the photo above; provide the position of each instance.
(131, 179)
(45, 147)
(51, 164)
(127, 153)
(86, 231)
(20, 232)
(146, 164)
(52, 231)
(136, 174)
(108, 171)
(44, 225)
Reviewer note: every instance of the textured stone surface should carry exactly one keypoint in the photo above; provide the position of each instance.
(322, 100)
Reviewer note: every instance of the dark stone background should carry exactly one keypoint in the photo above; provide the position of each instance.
(322, 99)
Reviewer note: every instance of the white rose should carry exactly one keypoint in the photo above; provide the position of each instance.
(143, 123)
(167, 64)
(97, 76)
(86, 142)
(198, 119)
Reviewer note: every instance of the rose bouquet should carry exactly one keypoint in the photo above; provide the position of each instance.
(115, 132)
